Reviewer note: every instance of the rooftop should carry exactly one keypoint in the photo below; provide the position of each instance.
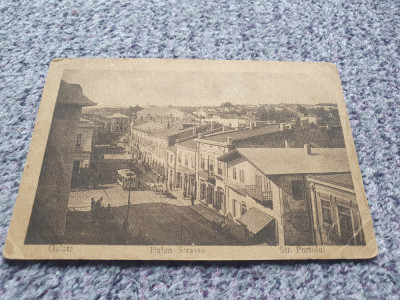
(117, 116)
(280, 161)
(151, 126)
(72, 94)
(171, 131)
(344, 180)
(192, 144)
(242, 134)
(159, 129)
(255, 220)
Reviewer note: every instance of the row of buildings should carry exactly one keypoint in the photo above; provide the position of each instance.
(281, 195)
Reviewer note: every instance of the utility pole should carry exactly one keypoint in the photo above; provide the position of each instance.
(126, 223)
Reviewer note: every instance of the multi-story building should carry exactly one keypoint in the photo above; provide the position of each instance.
(171, 167)
(117, 123)
(149, 142)
(49, 212)
(210, 147)
(266, 190)
(186, 156)
(336, 217)
(85, 138)
(84, 144)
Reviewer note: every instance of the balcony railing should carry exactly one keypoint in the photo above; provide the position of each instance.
(262, 197)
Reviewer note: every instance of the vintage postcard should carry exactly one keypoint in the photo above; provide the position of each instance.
(152, 159)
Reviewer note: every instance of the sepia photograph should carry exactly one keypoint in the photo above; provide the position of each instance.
(195, 158)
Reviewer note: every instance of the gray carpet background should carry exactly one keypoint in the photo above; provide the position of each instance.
(360, 37)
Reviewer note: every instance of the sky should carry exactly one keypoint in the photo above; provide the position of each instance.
(163, 88)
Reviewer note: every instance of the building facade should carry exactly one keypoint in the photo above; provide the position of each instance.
(271, 185)
(149, 142)
(49, 212)
(186, 156)
(210, 147)
(84, 144)
(335, 210)
(117, 123)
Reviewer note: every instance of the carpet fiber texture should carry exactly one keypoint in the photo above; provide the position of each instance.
(360, 37)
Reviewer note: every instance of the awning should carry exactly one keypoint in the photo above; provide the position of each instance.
(255, 220)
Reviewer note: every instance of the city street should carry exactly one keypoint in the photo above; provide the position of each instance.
(114, 195)
(154, 219)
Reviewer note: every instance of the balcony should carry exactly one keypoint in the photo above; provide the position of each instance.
(262, 197)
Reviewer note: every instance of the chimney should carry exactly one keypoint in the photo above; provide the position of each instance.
(229, 140)
(287, 144)
(194, 130)
(282, 126)
(307, 149)
(251, 125)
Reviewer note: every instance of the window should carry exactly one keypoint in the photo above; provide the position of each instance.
(219, 198)
(219, 168)
(345, 218)
(267, 184)
(171, 158)
(192, 162)
(241, 175)
(202, 162)
(186, 160)
(244, 208)
(78, 140)
(202, 191)
(234, 173)
(297, 189)
(211, 164)
(326, 212)
(179, 157)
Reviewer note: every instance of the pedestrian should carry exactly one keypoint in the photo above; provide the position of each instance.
(92, 204)
(158, 178)
(192, 199)
(170, 185)
(184, 193)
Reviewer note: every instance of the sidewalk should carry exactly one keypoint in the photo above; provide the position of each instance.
(234, 230)
(178, 193)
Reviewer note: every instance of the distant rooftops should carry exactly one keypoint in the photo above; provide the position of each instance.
(72, 94)
(161, 129)
(242, 134)
(117, 116)
(161, 112)
(280, 161)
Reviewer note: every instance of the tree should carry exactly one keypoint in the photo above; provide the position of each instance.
(261, 114)
(302, 109)
(226, 104)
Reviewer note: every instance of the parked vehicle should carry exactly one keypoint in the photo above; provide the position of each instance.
(127, 179)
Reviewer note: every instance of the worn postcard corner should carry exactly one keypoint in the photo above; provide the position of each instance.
(152, 159)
